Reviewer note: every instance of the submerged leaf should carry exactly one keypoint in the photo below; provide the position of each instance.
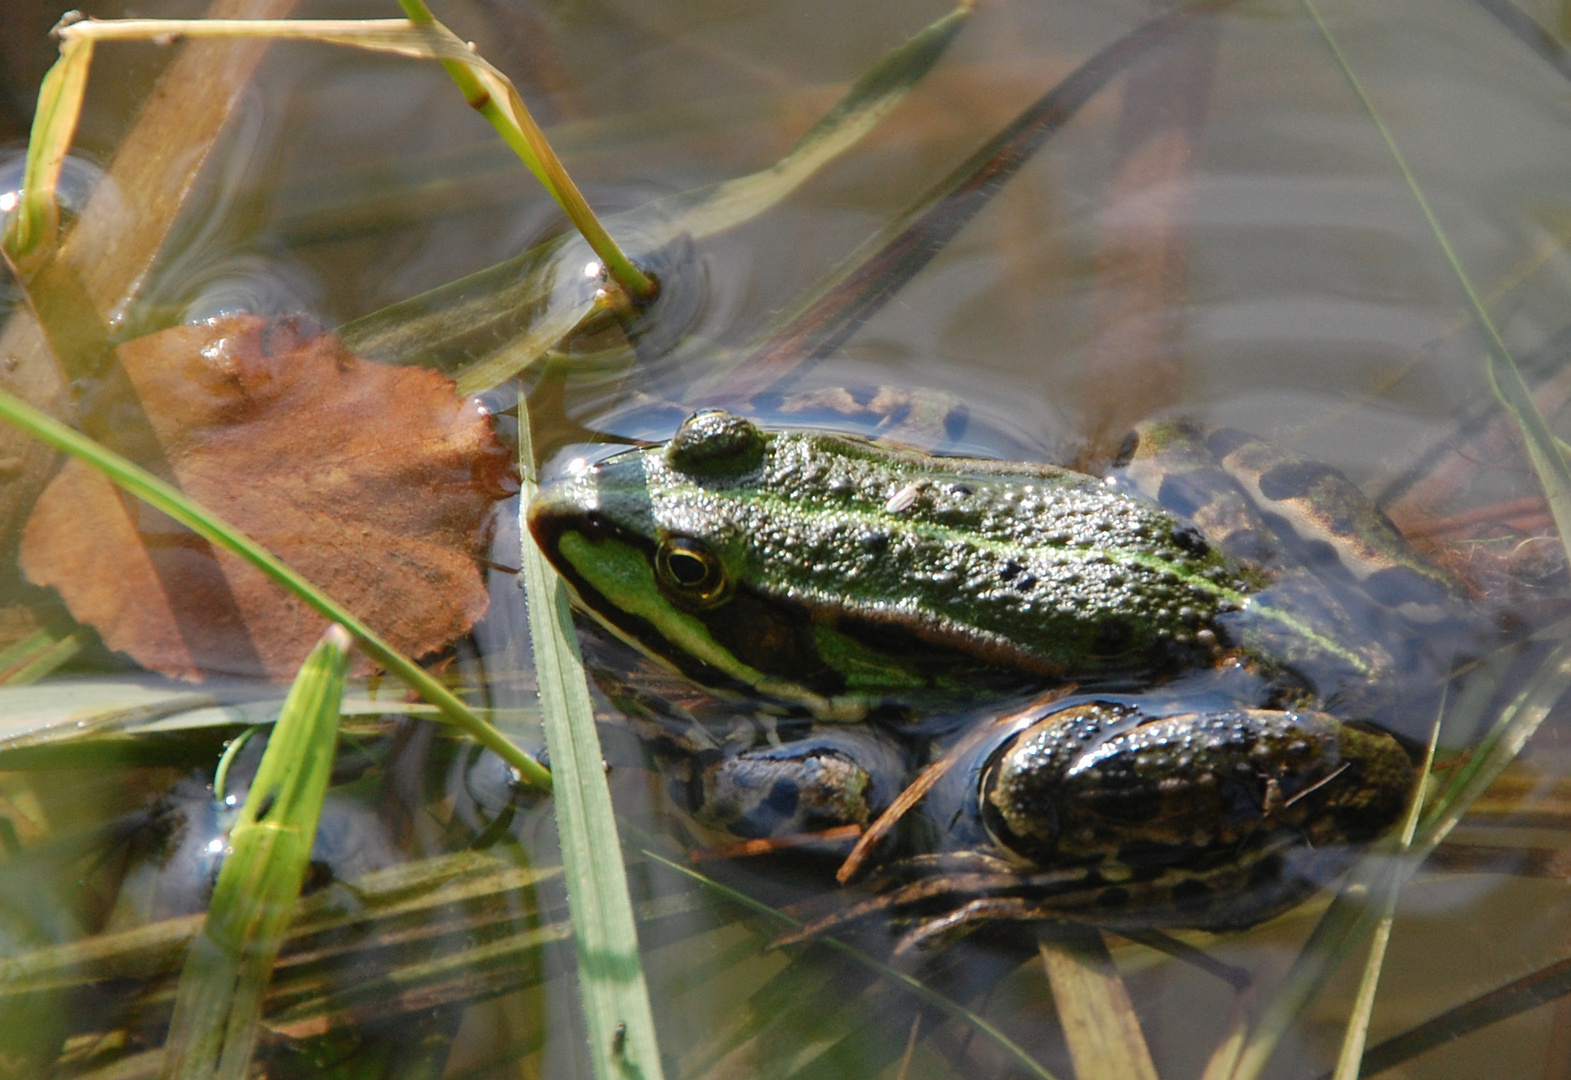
(372, 481)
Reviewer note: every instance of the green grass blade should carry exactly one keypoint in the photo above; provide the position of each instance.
(40, 653)
(164, 496)
(219, 1001)
(1498, 748)
(34, 229)
(486, 89)
(621, 1025)
(472, 324)
(494, 97)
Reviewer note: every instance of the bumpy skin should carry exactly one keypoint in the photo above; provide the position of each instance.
(1264, 591)
(1189, 819)
(859, 575)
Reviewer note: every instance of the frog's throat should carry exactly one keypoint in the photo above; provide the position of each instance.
(613, 582)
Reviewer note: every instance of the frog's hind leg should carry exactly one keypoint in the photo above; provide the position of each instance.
(1170, 463)
(922, 891)
(947, 928)
(1333, 524)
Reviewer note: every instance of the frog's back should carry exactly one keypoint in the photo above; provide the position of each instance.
(827, 568)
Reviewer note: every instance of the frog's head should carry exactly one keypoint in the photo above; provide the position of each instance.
(669, 546)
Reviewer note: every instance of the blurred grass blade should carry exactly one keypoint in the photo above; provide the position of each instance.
(1344, 924)
(219, 1002)
(461, 324)
(611, 982)
(485, 324)
(163, 496)
(1505, 377)
(1522, 26)
(522, 351)
(34, 228)
(417, 892)
(1100, 1025)
(709, 210)
(26, 661)
(1499, 747)
(865, 280)
(1383, 899)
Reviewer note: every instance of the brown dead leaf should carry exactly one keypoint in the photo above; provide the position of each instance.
(372, 481)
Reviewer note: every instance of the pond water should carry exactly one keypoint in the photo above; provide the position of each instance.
(1219, 230)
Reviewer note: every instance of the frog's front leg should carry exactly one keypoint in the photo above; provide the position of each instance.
(763, 778)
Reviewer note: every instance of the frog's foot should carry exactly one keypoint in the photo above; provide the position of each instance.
(1230, 893)
(912, 889)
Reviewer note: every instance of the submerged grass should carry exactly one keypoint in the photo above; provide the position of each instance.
(472, 327)
(218, 1005)
(1100, 1024)
(1348, 921)
(893, 975)
(616, 1003)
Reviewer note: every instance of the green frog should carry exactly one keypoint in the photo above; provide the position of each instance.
(1235, 624)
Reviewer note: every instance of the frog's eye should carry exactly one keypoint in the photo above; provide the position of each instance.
(690, 570)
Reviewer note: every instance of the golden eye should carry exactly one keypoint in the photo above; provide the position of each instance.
(690, 570)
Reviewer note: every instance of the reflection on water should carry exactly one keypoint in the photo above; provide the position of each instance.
(1221, 233)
